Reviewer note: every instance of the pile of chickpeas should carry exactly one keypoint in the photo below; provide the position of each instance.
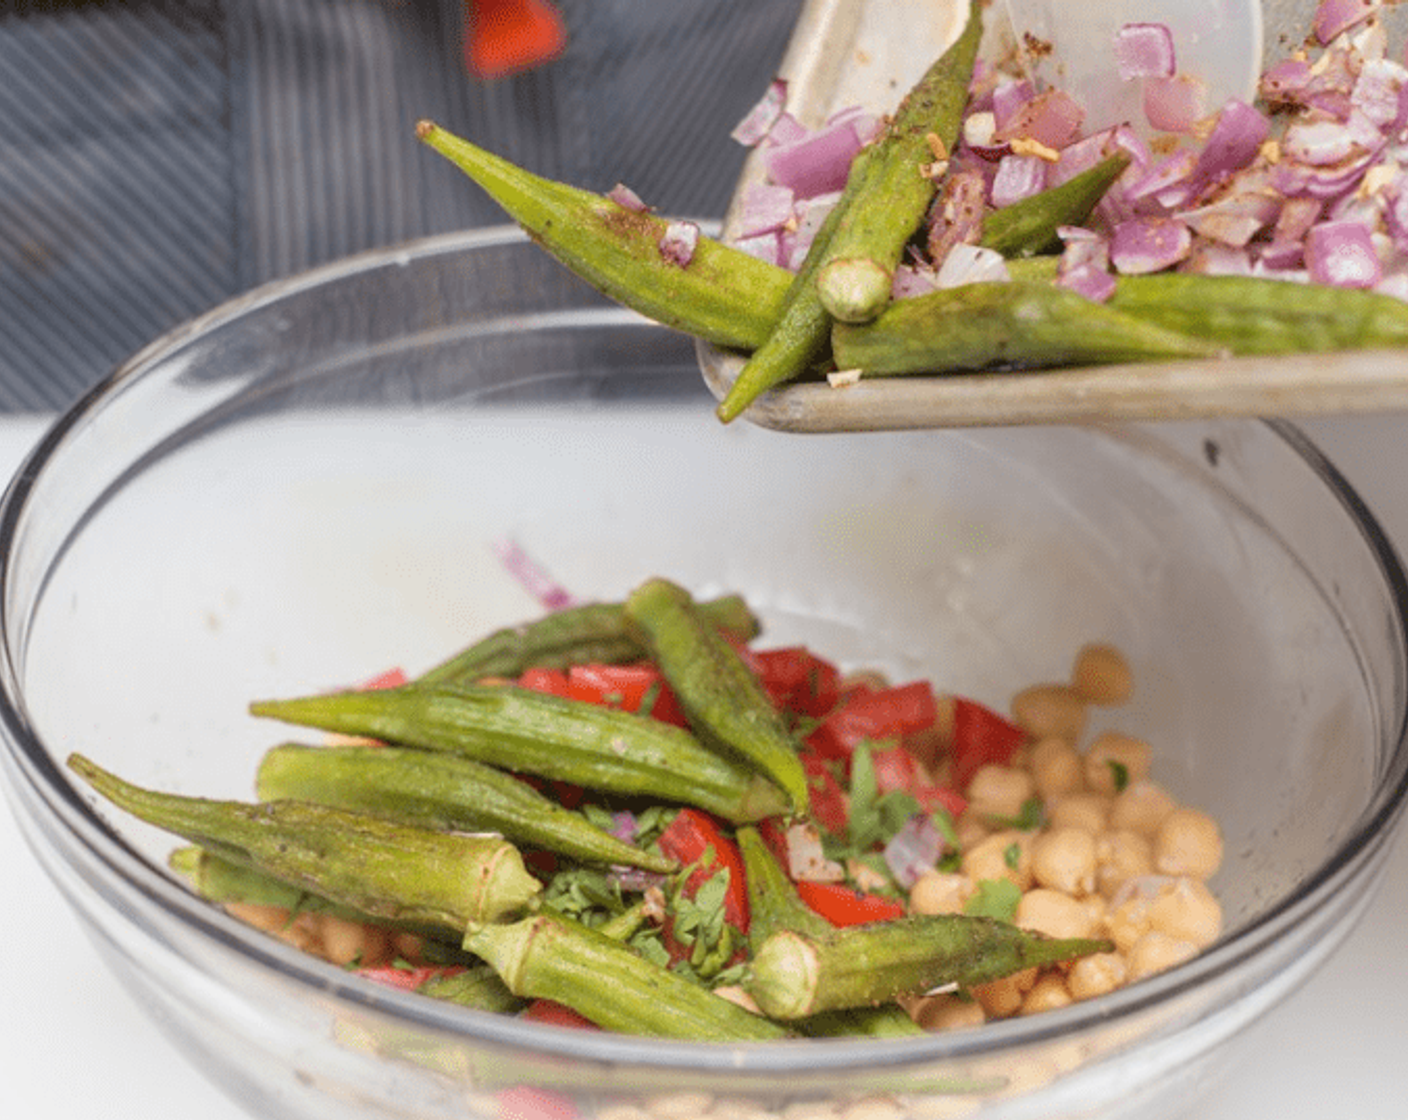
(1115, 856)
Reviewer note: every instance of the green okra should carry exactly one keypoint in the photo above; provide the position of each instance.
(224, 881)
(1028, 228)
(380, 868)
(723, 294)
(478, 987)
(773, 902)
(888, 1020)
(588, 745)
(893, 183)
(796, 976)
(1260, 315)
(592, 632)
(548, 956)
(441, 791)
(1002, 324)
(721, 697)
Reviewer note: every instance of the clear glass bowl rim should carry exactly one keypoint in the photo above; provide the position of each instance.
(102, 844)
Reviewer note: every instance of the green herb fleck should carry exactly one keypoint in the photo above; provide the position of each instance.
(1029, 818)
(1012, 856)
(994, 898)
(1121, 774)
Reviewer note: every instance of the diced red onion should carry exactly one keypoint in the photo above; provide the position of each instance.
(1328, 143)
(1144, 50)
(971, 264)
(636, 878)
(1287, 82)
(1007, 100)
(1175, 104)
(1145, 245)
(678, 242)
(806, 860)
(1212, 259)
(913, 280)
(764, 208)
(1084, 265)
(1052, 118)
(626, 198)
(957, 215)
(978, 132)
(817, 164)
(811, 214)
(787, 129)
(1167, 183)
(1395, 285)
(764, 246)
(1334, 17)
(1342, 254)
(758, 121)
(1242, 210)
(1095, 284)
(1235, 140)
(1018, 177)
(1381, 94)
(549, 593)
(914, 849)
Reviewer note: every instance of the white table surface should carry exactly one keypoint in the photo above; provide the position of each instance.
(73, 1045)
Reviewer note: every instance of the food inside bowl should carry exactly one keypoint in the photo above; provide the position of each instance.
(632, 816)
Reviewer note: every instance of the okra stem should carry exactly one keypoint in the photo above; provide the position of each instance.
(529, 732)
(548, 956)
(441, 791)
(380, 868)
(722, 294)
(725, 704)
(1025, 324)
(593, 632)
(795, 976)
(893, 185)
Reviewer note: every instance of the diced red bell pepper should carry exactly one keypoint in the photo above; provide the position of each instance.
(628, 687)
(687, 839)
(408, 979)
(842, 905)
(557, 1014)
(503, 37)
(552, 681)
(980, 737)
(875, 715)
(798, 680)
(897, 769)
(830, 804)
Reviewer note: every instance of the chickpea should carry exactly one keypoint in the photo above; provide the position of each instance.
(1044, 710)
(1049, 993)
(971, 828)
(937, 892)
(1128, 922)
(346, 942)
(1141, 806)
(1002, 855)
(270, 919)
(1057, 768)
(1121, 855)
(1089, 811)
(1003, 997)
(1102, 676)
(1188, 842)
(948, 1012)
(1187, 910)
(1064, 860)
(1113, 760)
(1096, 975)
(1000, 791)
(1155, 952)
(1054, 914)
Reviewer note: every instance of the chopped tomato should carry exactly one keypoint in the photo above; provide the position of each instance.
(503, 37)
(632, 688)
(875, 715)
(845, 906)
(897, 769)
(798, 680)
(689, 838)
(552, 681)
(980, 737)
(557, 1014)
(391, 678)
(408, 979)
(830, 804)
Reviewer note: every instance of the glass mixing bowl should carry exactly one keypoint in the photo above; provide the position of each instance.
(310, 484)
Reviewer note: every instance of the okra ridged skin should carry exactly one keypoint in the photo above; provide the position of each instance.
(592, 632)
(1007, 324)
(1260, 315)
(722, 294)
(548, 956)
(722, 699)
(892, 190)
(1029, 227)
(796, 976)
(773, 902)
(529, 732)
(381, 868)
(441, 791)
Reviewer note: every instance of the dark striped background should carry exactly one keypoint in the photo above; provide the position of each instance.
(158, 156)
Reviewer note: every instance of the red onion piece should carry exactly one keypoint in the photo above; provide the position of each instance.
(913, 280)
(914, 849)
(1007, 100)
(787, 129)
(1288, 82)
(1342, 254)
(626, 198)
(956, 217)
(1381, 94)
(758, 121)
(764, 246)
(1051, 118)
(1144, 50)
(972, 264)
(678, 242)
(1235, 140)
(764, 208)
(1095, 284)
(1084, 266)
(817, 164)
(1146, 245)
(1212, 259)
(1018, 177)
(1175, 104)
(535, 580)
(1334, 17)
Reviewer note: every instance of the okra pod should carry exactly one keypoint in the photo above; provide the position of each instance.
(773, 902)
(1259, 315)
(998, 324)
(722, 294)
(795, 976)
(479, 987)
(593, 632)
(1028, 227)
(444, 792)
(222, 881)
(529, 732)
(893, 183)
(889, 1020)
(548, 956)
(722, 699)
(380, 868)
